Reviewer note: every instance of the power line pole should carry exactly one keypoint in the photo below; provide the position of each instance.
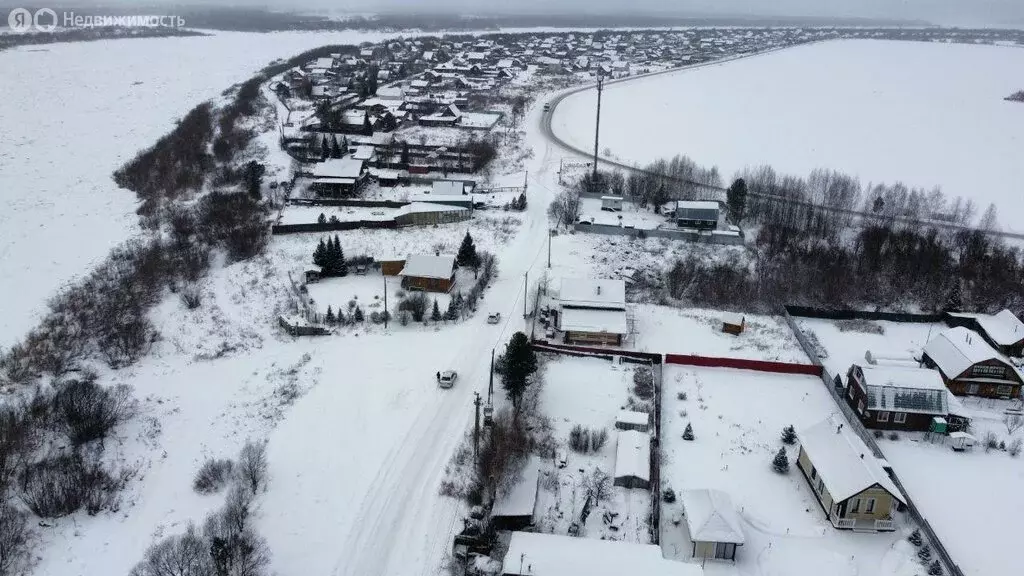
(385, 302)
(549, 247)
(597, 122)
(476, 429)
(524, 294)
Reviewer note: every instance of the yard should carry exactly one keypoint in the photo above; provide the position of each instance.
(846, 342)
(630, 215)
(588, 392)
(737, 418)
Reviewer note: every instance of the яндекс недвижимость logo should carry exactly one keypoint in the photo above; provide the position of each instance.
(22, 20)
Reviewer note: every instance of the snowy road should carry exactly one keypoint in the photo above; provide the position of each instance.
(362, 498)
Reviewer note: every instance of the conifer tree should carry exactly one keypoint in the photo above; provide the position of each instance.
(320, 255)
(335, 149)
(520, 361)
(781, 462)
(467, 255)
(789, 435)
(435, 315)
(688, 433)
(329, 318)
(357, 316)
(321, 219)
(325, 149)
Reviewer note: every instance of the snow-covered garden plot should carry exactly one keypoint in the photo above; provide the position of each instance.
(367, 292)
(926, 114)
(58, 151)
(479, 120)
(630, 215)
(589, 392)
(664, 329)
(846, 342)
(972, 499)
(737, 418)
(311, 214)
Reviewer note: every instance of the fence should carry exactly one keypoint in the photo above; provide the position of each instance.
(855, 423)
(607, 353)
(686, 235)
(331, 226)
(346, 202)
(758, 365)
(862, 315)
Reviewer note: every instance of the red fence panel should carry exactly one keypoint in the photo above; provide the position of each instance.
(646, 356)
(759, 365)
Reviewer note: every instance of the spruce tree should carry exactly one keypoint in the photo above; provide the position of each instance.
(781, 462)
(321, 219)
(452, 313)
(335, 149)
(520, 362)
(688, 433)
(736, 200)
(357, 316)
(325, 149)
(435, 315)
(320, 255)
(915, 538)
(405, 153)
(789, 435)
(367, 127)
(329, 318)
(467, 255)
(339, 258)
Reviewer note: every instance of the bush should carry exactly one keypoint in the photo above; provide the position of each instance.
(688, 433)
(894, 436)
(213, 476)
(643, 382)
(416, 305)
(15, 538)
(85, 411)
(669, 496)
(404, 317)
(61, 485)
(789, 435)
(18, 438)
(185, 554)
(1014, 447)
(1002, 445)
(681, 396)
(879, 434)
(579, 439)
(935, 568)
(990, 441)
(925, 553)
(191, 297)
(252, 465)
(598, 438)
(915, 538)
(781, 461)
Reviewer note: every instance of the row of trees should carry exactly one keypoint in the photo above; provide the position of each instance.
(330, 257)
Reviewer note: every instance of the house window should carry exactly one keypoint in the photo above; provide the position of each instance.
(860, 406)
(972, 388)
(870, 507)
(883, 416)
(849, 388)
(899, 417)
(993, 371)
(1004, 390)
(814, 473)
(855, 506)
(821, 486)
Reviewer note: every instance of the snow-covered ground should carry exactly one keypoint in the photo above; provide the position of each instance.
(897, 340)
(630, 215)
(73, 113)
(885, 111)
(589, 392)
(737, 418)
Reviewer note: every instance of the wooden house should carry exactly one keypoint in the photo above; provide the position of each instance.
(1003, 331)
(896, 397)
(714, 525)
(702, 215)
(848, 481)
(338, 177)
(630, 420)
(429, 272)
(390, 266)
(593, 311)
(970, 366)
(633, 460)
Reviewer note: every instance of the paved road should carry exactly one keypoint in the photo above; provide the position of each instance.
(717, 192)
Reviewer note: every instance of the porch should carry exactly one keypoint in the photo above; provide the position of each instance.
(863, 525)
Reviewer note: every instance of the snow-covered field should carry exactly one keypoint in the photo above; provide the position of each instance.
(885, 111)
(73, 113)
(589, 392)
(737, 417)
(904, 340)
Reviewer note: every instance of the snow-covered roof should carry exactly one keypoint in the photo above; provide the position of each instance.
(843, 461)
(338, 168)
(521, 499)
(447, 187)
(711, 517)
(587, 293)
(697, 205)
(390, 93)
(635, 418)
(1003, 328)
(363, 153)
(905, 389)
(633, 455)
(535, 554)
(957, 349)
(733, 318)
(429, 266)
(583, 320)
(415, 207)
(955, 407)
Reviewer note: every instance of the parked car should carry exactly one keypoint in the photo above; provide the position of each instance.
(447, 378)
(547, 106)
(361, 270)
(494, 318)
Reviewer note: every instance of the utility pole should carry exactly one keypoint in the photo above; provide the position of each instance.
(385, 302)
(597, 122)
(524, 294)
(526, 176)
(490, 385)
(561, 166)
(549, 246)
(476, 430)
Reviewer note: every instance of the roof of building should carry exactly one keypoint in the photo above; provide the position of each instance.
(363, 153)
(1004, 328)
(448, 187)
(633, 455)
(733, 318)
(905, 389)
(555, 555)
(957, 349)
(338, 168)
(520, 499)
(584, 320)
(631, 417)
(429, 266)
(587, 293)
(843, 461)
(697, 204)
(711, 517)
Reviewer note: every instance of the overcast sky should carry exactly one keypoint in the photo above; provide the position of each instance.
(948, 12)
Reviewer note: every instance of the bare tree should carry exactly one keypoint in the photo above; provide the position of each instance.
(990, 219)
(599, 484)
(565, 209)
(15, 538)
(252, 465)
(179, 555)
(1013, 422)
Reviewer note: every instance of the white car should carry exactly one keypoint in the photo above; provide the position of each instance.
(447, 379)
(494, 318)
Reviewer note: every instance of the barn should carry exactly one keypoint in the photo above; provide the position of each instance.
(969, 366)
(429, 272)
(633, 460)
(514, 507)
(630, 420)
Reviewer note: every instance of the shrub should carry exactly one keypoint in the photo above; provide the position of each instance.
(925, 553)
(252, 465)
(915, 538)
(17, 440)
(598, 485)
(598, 438)
(879, 434)
(61, 485)
(681, 396)
(1014, 447)
(781, 461)
(643, 382)
(990, 441)
(894, 436)
(213, 476)
(789, 435)
(579, 439)
(669, 496)
(688, 433)
(403, 317)
(416, 305)
(191, 297)
(85, 411)
(935, 568)
(15, 538)
(185, 554)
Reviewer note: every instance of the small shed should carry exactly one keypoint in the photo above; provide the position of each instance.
(733, 323)
(629, 420)
(390, 266)
(962, 441)
(311, 276)
(514, 508)
(633, 460)
(939, 425)
(714, 525)
(611, 203)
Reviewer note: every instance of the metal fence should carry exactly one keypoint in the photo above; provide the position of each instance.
(685, 235)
